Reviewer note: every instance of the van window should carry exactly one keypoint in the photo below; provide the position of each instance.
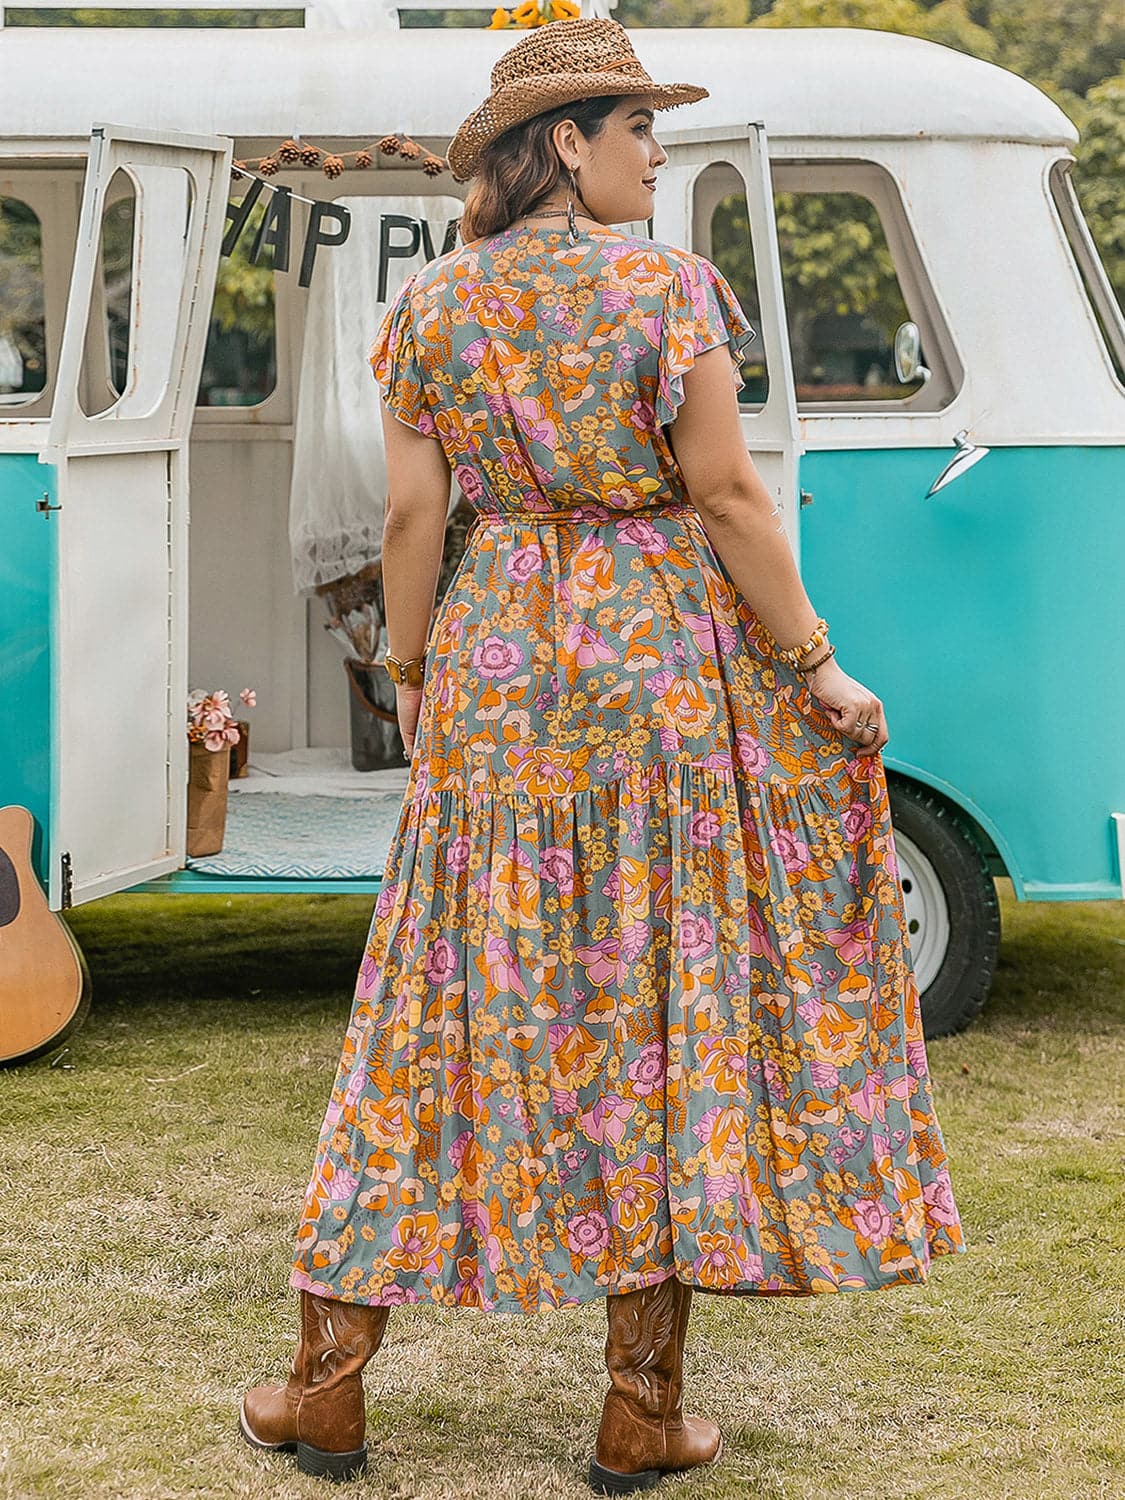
(733, 254)
(23, 328)
(844, 292)
(1104, 302)
(240, 361)
(118, 221)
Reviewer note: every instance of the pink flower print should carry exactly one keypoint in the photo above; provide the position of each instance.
(775, 1079)
(857, 820)
(642, 416)
(750, 753)
(531, 416)
(343, 1185)
(369, 971)
(470, 482)
(398, 1296)
(589, 646)
(825, 1075)
(646, 1071)
(702, 628)
(864, 1100)
(557, 866)
(852, 943)
(704, 828)
(758, 938)
(503, 971)
(697, 935)
(249, 697)
(792, 851)
(715, 1189)
(523, 563)
(357, 1082)
(497, 656)
(457, 854)
(440, 962)
(873, 1221)
(643, 535)
(607, 1120)
(635, 938)
(458, 1147)
(600, 960)
(938, 1196)
(706, 1124)
(588, 1234)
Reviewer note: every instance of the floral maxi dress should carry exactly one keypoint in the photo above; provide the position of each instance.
(637, 998)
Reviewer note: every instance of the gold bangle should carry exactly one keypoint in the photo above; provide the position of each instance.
(793, 654)
(812, 665)
(409, 673)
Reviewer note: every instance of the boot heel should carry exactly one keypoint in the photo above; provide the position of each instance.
(336, 1466)
(605, 1481)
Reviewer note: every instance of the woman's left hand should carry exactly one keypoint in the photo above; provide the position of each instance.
(408, 705)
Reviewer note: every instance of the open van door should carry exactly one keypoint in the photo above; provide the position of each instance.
(119, 526)
(742, 155)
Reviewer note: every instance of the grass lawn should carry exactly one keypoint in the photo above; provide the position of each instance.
(152, 1178)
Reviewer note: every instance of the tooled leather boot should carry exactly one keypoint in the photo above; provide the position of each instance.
(644, 1433)
(320, 1411)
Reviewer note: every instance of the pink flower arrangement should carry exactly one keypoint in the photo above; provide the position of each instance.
(209, 718)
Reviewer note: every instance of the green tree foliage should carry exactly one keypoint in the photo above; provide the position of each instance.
(84, 15)
(1099, 178)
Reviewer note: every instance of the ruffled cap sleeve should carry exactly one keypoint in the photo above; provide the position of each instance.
(396, 365)
(700, 311)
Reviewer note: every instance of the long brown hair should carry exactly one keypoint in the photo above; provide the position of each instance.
(521, 167)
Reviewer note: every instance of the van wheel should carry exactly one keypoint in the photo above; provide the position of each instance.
(952, 911)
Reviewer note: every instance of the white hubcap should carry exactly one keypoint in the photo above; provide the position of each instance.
(927, 911)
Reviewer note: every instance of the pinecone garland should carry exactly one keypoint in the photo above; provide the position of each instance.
(310, 156)
(389, 145)
(411, 150)
(267, 166)
(332, 166)
(433, 165)
(363, 159)
(236, 167)
(288, 152)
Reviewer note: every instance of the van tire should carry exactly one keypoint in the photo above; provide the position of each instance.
(953, 913)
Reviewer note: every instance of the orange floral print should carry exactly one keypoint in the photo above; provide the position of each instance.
(636, 998)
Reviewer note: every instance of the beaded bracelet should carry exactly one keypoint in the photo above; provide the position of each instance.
(812, 665)
(792, 654)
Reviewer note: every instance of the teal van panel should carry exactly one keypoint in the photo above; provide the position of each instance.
(26, 573)
(990, 619)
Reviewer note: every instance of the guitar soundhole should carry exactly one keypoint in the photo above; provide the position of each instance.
(9, 891)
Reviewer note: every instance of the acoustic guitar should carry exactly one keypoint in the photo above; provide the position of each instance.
(44, 981)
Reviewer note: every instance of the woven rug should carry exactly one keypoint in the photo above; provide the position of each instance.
(303, 837)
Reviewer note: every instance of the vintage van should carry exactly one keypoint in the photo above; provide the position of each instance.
(949, 455)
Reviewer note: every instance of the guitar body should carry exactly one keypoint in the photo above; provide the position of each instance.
(44, 981)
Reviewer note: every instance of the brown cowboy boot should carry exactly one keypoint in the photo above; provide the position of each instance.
(644, 1433)
(320, 1412)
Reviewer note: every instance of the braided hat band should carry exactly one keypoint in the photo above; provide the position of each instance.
(558, 64)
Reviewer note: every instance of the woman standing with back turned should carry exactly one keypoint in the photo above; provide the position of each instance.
(637, 1014)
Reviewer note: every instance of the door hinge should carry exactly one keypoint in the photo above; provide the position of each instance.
(806, 497)
(44, 506)
(67, 881)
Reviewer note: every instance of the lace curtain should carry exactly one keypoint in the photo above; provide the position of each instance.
(338, 491)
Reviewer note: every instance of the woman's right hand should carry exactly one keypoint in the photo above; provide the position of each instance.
(849, 704)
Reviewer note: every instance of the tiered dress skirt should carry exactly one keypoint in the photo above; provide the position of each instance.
(637, 998)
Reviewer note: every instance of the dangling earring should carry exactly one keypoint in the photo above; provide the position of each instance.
(571, 226)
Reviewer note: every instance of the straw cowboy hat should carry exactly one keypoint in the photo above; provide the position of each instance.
(558, 64)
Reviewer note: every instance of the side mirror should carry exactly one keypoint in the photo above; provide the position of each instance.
(908, 354)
